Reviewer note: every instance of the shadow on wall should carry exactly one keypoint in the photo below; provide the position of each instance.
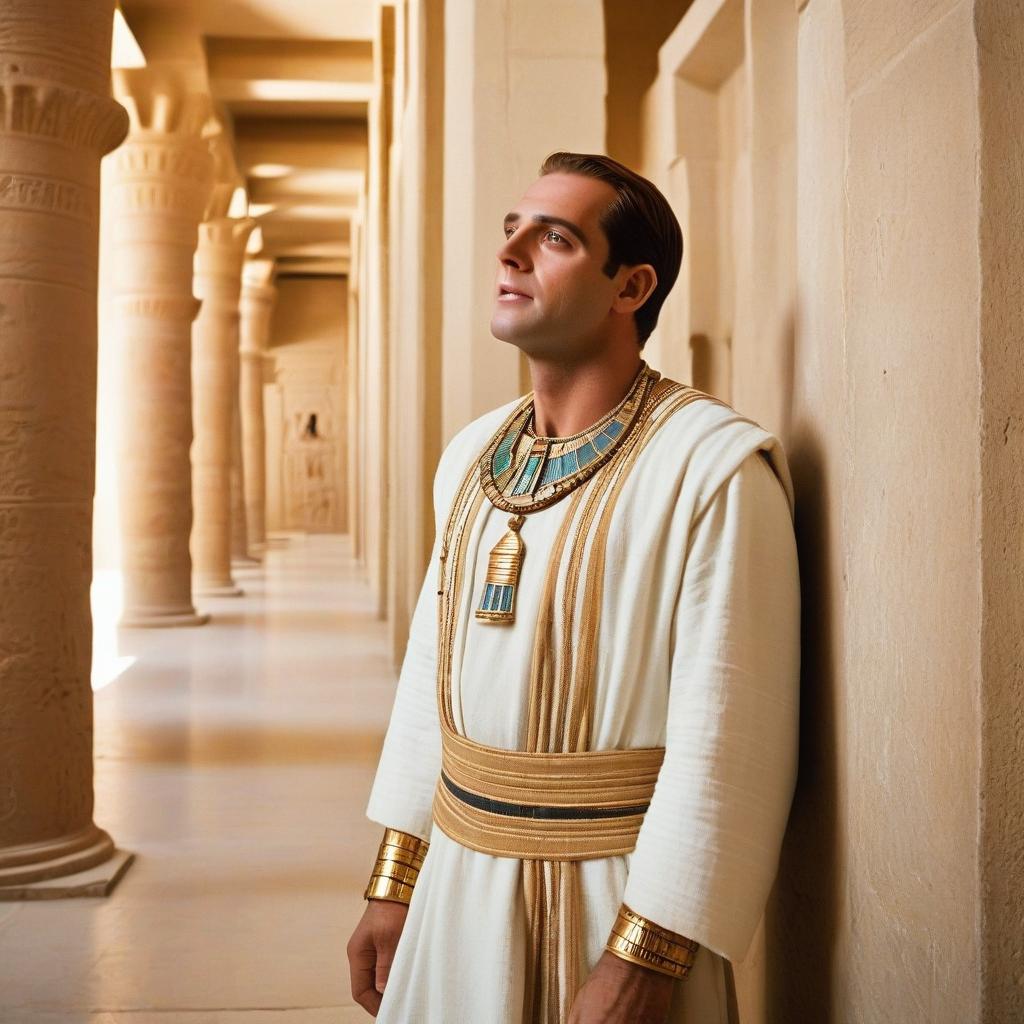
(802, 916)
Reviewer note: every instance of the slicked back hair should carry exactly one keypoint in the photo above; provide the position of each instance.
(639, 225)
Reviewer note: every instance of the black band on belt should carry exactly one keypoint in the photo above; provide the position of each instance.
(484, 803)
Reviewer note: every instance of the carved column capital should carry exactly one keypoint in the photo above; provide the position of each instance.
(227, 236)
(50, 110)
(157, 102)
(258, 294)
(257, 305)
(219, 258)
(162, 174)
(164, 171)
(259, 271)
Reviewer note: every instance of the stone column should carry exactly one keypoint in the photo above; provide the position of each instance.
(56, 120)
(257, 306)
(218, 280)
(160, 182)
(241, 553)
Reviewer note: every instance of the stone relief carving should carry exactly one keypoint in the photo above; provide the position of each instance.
(310, 467)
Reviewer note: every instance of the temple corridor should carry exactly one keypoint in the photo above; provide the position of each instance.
(250, 253)
(234, 762)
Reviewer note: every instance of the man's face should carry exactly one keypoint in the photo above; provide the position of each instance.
(551, 296)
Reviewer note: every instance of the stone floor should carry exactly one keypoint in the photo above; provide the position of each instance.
(234, 760)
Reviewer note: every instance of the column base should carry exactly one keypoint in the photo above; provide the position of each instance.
(157, 620)
(24, 868)
(217, 590)
(248, 562)
(95, 881)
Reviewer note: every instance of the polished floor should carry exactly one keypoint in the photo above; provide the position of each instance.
(234, 760)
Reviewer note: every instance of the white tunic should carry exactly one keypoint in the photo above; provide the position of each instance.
(698, 652)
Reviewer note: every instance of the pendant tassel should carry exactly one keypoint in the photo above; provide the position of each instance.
(498, 603)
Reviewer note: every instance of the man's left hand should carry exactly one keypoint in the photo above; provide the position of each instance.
(618, 992)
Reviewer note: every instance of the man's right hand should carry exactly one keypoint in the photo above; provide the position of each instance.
(371, 950)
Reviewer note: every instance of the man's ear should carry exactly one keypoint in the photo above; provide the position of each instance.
(637, 287)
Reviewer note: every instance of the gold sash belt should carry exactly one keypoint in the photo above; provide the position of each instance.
(537, 806)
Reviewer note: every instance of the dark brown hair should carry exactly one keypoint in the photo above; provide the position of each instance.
(638, 223)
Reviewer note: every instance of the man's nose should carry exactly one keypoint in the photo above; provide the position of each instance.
(512, 253)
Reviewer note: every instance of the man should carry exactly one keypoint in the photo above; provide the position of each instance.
(591, 757)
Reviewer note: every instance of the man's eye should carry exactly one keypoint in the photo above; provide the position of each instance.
(554, 236)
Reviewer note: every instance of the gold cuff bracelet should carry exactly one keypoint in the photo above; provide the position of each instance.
(399, 860)
(643, 942)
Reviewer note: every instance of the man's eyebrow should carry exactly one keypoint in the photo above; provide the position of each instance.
(546, 218)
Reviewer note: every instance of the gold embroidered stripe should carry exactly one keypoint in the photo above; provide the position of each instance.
(585, 666)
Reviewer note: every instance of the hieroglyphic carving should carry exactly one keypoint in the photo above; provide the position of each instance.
(48, 195)
(311, 485)
(154, 156)
(172, 308)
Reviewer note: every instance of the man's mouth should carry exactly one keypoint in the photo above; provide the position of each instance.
(506, 293)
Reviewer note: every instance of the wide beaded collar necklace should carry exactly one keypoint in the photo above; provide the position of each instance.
(521, 472)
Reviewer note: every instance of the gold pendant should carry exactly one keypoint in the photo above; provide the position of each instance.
(499, 601)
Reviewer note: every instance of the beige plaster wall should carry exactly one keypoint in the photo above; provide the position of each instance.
(879, 891)
(720, 140)
(307, 343)
(633, 34)
(999, 27)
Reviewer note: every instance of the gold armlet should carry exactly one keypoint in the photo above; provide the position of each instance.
(643, 942)
(399, 860)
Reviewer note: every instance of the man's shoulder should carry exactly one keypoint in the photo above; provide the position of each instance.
(686, 410)
(710, 440)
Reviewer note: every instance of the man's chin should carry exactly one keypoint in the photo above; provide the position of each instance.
(514, 334)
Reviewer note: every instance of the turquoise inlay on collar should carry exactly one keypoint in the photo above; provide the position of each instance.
(585, 454)
(555, 469)
(503, 456)
(525, 480)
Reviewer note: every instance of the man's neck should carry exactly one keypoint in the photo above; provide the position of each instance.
(568, 398)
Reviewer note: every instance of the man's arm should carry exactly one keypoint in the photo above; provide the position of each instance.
(402, 794)
(708, 848)
(371, 950)
(410, 761)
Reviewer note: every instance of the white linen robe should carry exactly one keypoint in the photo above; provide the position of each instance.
(698, 652)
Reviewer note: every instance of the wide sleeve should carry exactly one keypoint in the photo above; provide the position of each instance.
(708, 849)
(410, 762)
